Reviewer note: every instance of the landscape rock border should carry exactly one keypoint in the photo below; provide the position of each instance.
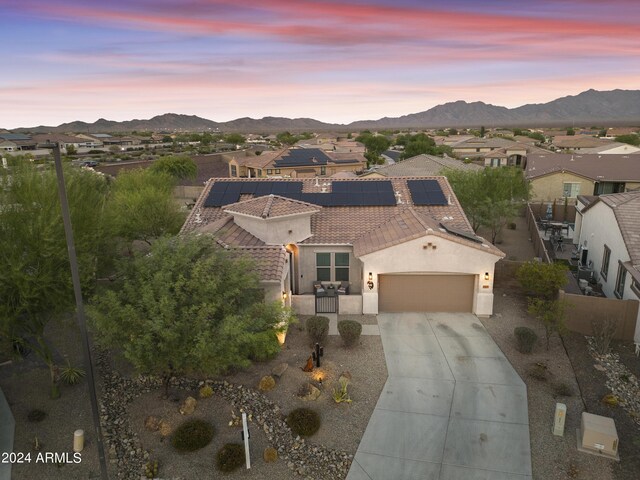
(126, 452)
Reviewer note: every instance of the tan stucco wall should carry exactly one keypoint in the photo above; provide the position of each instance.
(447, 257)
(550, 187)
(276, 231)
(330, 170)
(307, 267)
(633, 185)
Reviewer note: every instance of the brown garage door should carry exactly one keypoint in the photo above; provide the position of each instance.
(426, 293)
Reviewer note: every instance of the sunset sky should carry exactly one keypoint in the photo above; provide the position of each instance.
(336, 61)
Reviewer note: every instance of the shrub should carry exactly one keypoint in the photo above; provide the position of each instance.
(36, 415)
(539, 371)
(526, 339)
(192, 435)
(230, 457)
(350, 331)
(71, 375)
(563, 390)
(303, 421)
(511, 225)
(317, 329)
(206, 391)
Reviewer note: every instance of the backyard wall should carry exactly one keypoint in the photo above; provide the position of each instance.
(536, 239)
(585, 309)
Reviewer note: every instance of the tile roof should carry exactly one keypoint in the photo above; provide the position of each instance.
(579, 141)
(271, 206)
(270, 261)
(300, 157)
(343, 225)
(613, 168)
(626, 207)
(424, 165)
(409, 225)
(612, 146)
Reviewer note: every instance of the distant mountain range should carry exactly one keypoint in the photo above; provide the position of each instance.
(592, 107)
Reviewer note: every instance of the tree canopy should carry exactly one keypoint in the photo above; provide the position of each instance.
(490, 197)
(375, 145)
(188, 307)
(35, 275)
(419, 144)
(177, 166)
(141, 206)
(631, 139)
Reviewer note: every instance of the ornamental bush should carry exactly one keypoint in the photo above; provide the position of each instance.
(350, 331)
(192, 435)
(230, 457)
(317, 329)
(525, 338)
(303, 421)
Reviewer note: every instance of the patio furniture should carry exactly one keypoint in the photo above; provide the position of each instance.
(319, 290)
(343, 288)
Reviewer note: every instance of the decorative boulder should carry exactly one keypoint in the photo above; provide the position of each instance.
(152, 423)
(267, 383)
(164, 429)
(188, 406)
(309, 392)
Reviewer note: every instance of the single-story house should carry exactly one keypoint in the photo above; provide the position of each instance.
(421, 166)
(613, 148)
(295, 163)
(577, 143)
(507, 152)
(555, 176)
(354, 246)
(609, 229)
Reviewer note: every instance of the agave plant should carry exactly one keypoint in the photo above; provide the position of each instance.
(71, 375)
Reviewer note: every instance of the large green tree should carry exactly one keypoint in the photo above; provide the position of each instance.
(375, 145)
(35, 276)
(177, 166)
(419, 144)
(490, 197)
(141, 206)
(188, 307)
(631, 139)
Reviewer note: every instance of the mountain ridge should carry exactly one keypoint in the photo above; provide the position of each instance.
(589, 107)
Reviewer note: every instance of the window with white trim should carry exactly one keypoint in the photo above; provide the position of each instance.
(570, 189)
(620, 279)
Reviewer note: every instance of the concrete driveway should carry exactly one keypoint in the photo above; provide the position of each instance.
(453, 406)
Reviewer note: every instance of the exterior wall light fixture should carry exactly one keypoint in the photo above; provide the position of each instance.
(370, 282)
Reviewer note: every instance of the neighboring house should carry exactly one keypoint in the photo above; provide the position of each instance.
(391, 156)
(613, 148)
(610, 232)
(8, 146)
(452, 139)
(93, 141)
(20, 141)
(295, 163)
(333, 145)
(507, 152)
(577, 143)
(421, 166)
(554, 176)
(398, 244)
(618, 131)
(45, 140)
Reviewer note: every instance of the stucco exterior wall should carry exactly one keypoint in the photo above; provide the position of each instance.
(600, 227)
(307, 266)
(550, 187)
(276, 231)
(447, 257)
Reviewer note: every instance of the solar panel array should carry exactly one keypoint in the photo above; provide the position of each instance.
(342, 194)
(302, 157)
(461, 233)
(426, 192)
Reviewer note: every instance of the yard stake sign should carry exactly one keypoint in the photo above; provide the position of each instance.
(245, 437)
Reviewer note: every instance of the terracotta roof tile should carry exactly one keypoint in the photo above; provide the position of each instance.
(270, 261)
(271, 206)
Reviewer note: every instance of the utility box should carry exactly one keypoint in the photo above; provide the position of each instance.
(559, 419)
(598, 435)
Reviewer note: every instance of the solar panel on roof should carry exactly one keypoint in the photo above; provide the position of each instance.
(426, 192)
(461, 233)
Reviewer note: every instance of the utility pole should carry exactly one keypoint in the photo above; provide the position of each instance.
(82, 323)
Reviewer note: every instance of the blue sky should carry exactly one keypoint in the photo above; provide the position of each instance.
(334, 61)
